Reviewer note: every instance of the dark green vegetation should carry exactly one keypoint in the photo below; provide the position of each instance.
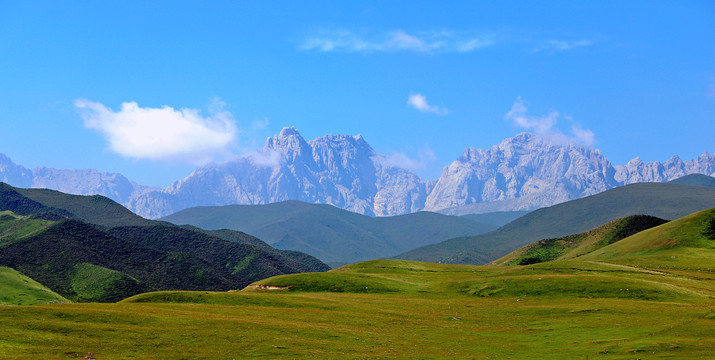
(95, 209)
(667, 201)
(497, 218)
(571, 246)
(649, 296)
(333, 235)
(695, 179)
(84, 261)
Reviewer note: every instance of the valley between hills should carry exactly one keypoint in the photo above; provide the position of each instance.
(627, 273)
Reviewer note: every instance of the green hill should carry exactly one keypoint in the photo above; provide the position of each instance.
(241, 260)
(18, 289)
(497, 218)
(94, 209)
(333, 235)
(12, 200)
(571, 246)
(686, 244)
(86, 262)
(695, 179)
(63, 255)
(664, 200)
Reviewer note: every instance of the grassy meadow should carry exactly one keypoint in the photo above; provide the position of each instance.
(647, 296)
(391, 308)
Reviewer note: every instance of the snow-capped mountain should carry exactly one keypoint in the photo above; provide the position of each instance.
(524, 172)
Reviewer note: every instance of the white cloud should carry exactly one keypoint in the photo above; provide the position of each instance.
(396, 40)
(161, 133)
(538, 124)
(404, 161)
(546, 125)
(419, 102)
(584, 136)
(563, 45)
(260, 124)
(268, 158)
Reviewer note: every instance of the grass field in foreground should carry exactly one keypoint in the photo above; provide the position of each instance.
(422, 311)
(329, 325)
(648, 296)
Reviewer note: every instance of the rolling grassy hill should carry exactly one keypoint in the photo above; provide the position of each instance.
(664, 200)
(18, 289)
(571, 246)
(595, 306)
(687, 244)
(333, 235)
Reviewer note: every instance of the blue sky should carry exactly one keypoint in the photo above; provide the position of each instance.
(153, 90)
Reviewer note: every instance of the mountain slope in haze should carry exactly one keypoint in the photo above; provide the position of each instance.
(695, 179)
(498, 218)
(328, 233)
(663, 200)
(571, 246)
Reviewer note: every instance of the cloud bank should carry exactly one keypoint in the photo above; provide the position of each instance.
(404, 161)
(430, 42)
(161, 133)
(546, 125)
(396, 40)
(419, 102)
(563, 45)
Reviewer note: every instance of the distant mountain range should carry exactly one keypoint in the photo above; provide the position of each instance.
(521, 173)
(333, 235)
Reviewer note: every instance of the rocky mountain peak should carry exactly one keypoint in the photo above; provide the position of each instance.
(290, 144)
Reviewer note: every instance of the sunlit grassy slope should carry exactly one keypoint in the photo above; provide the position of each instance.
(18, 289)
(605, 305)
(687, 244)
(571, 246)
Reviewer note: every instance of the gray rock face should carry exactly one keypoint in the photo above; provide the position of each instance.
(528, 172)
(526, 167)
(340, 170)
(13, 174)
(521, 173)
(78, 182)
(638, 171)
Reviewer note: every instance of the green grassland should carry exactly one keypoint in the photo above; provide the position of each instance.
(416, 310)
(572, 246)
(18, 289)
(648, 296)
